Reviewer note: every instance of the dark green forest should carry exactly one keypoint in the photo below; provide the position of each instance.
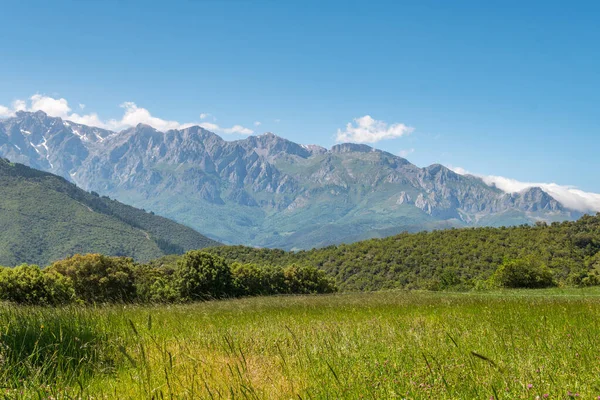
(567, 252)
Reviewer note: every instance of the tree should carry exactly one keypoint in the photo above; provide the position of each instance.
(522, 273)
(202, 276)
(307, 279)
(28, 284)
(97, 278)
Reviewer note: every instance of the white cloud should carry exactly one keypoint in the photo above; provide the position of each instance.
(89, 119)
(5, 111)
(406, 152)
(209, 126)
(132, 116)
(368, 130)
(135, 115)
(54, 107)
(257, 123)
(236, 129)
(239, 129)
(19, 105)
(568, 196)
(460, 170)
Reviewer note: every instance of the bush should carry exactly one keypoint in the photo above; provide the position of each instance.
(253, 280)
(94, 278)
(154, 284)
(522, 273)
(307, 280)
(97, 278)
(28, 284)
(202, 276)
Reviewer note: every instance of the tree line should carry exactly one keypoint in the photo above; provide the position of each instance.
(195, 276)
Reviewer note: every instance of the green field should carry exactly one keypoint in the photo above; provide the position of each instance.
(395, 344)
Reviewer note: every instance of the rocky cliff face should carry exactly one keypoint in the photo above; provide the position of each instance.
(265, 190)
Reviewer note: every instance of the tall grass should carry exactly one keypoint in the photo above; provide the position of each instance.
(51, 351)
(505, 345)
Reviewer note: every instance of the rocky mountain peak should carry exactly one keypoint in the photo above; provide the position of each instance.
(271, 145)
(351, 148)
(37, 114)
(266, 190)
(536, 199)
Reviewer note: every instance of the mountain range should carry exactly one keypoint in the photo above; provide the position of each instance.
(264, 190)
(44, 218)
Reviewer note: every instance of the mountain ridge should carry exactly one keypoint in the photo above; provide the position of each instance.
(266, 190)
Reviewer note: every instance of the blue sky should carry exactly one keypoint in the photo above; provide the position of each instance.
(511, 89)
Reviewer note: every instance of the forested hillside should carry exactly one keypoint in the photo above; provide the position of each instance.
(44, 218)
(459, 258)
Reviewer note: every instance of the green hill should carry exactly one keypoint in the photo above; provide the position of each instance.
(445, 258)
(44, 218)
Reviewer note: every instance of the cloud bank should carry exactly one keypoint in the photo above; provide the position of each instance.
(132, 116)
(368, 130)
(568, 196)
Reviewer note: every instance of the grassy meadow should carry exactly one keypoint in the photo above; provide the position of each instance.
(520, 344)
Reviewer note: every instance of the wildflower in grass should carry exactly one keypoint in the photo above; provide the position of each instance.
(545, 395)
(529, 386)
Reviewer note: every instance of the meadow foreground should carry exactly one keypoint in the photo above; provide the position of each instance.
(397, 344)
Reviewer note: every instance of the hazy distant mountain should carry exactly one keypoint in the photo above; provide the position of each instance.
(44, 218)
(265, 190)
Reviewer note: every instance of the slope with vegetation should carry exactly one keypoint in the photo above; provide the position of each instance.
(44, 218)
(566, 253)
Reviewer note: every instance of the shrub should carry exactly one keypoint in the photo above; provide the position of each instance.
(307, 279)
(28, 284)
(248, 280)
(202, 276)
(97, 278)
(432, 284)
(155, 284)
(253, 280)
(587, 274)
(522, 273)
